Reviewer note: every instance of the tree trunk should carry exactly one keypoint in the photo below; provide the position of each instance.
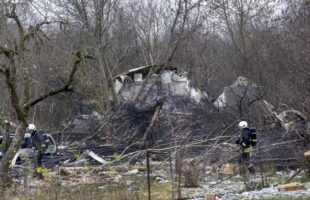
(5, 179)
(5, 142)
(105, 81)
(6, 138)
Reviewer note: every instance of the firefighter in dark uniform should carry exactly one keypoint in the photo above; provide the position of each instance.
(37, 143)
(246, 140)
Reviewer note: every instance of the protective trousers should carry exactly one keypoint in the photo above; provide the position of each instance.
(245, 160)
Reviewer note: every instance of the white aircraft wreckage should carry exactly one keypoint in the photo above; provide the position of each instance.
(161, 79)
(241, 89)
(243, 94)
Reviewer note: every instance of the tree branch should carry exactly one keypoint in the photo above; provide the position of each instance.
(152, 123)
(13, 95)
(48, 94)
(66, 88)
(36, 28)
(20, 27)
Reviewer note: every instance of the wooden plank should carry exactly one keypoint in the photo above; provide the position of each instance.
(291, 187)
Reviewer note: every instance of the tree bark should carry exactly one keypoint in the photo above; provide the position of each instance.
(5, 179)
(105, 80)
(6, 137)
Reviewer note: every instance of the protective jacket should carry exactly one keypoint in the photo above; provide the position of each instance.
(36, 140)
(245, 141)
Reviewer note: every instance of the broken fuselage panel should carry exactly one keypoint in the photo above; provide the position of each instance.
(157, 81)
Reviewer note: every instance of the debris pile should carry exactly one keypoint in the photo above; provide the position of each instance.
(181, 121)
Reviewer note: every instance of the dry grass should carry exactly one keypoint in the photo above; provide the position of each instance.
(88, 192)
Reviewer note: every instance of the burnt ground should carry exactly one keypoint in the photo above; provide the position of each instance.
(196, 130)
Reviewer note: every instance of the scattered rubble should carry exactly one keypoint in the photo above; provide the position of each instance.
(223, 187)
(234, 189)
(122, 131)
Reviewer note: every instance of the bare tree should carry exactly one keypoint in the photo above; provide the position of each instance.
(15, 68)
(239, 17)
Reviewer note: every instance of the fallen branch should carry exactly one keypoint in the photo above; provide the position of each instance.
(293, 176)
(153, 121)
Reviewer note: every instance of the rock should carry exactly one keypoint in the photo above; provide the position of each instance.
(291, 187)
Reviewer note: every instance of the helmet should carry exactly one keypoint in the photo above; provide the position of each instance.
(243, 124)
(31, 127)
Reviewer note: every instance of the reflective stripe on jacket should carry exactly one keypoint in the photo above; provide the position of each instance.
(247, 149)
